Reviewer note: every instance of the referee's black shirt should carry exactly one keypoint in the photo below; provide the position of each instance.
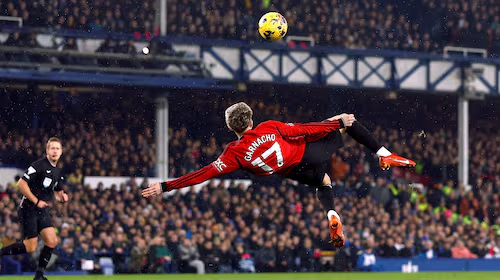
(43, 179)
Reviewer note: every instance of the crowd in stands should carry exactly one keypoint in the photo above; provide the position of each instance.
(97, 141)
(267, 227)
(93, 16)
(418, 25)
(272, 225)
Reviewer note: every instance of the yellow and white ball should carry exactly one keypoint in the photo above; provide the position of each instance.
(273, 26)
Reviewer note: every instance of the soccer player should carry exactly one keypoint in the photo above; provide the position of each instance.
(297, 151)
(39, 184)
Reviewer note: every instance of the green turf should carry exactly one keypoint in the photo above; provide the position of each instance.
(285, 276)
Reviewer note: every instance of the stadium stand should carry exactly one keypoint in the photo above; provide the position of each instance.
(283, 225)
(418, 26)
(421, 25)
(103, 142)
(93, 16)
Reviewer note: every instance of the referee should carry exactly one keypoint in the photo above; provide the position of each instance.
(39, 184)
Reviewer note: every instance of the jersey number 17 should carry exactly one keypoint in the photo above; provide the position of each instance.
(275, 148)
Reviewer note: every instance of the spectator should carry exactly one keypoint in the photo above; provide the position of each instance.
(266, 258)
(211, 257)
(459, 251)
(84, 254)
(408, 250)
(367, 261)
(428, 250)
(225, 259)
(388, 250)
(137, 262)
(283, 260)
(445, 251)
(245, 261)
(189, 253)
(306, 256)
(163, 258)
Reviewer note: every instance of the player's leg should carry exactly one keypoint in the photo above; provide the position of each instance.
(326, 197)
(28, 223)
(313, 170)
(387, 159)
(312, 173)
(21, 247)
(49, 237)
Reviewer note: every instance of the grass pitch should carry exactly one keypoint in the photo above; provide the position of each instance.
(283, 276)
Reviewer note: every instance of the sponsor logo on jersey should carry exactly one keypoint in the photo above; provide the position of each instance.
(219, 165)
(255, 144)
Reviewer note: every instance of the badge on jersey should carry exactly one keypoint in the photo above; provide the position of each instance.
(219, 165)
(47, 182)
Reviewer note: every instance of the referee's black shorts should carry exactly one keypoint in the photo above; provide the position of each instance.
(32, 221)
(316, 160)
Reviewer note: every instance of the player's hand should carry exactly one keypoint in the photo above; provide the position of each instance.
(42, 204)
(347, 119)
(153, 189)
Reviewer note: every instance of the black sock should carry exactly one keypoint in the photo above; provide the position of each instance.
(14, 249)
(43, 260)
(39, 273)
(359, 133)
(325, 195)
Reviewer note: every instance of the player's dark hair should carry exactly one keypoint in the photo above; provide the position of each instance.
(238, 117)
(52, 139)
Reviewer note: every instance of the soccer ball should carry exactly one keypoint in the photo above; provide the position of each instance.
(272, 26)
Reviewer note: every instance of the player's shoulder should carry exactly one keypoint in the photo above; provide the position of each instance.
(231, 145)
(269, 123)
(36, 166)
(40, 163)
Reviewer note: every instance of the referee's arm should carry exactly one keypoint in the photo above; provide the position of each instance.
(26, 191)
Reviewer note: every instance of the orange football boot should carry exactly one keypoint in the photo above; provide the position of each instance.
(336, 232)
(395, 161)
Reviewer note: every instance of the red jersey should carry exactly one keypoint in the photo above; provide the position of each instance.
(272, 147)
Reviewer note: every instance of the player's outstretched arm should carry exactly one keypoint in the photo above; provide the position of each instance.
(222, 165)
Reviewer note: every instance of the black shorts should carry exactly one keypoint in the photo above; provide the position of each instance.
(32, 221)
(316, 160)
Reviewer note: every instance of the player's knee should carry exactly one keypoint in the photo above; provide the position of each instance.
(51, 242)
(31, 245)
(327, 180)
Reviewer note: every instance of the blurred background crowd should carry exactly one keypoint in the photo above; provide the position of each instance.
(273, 225)
(95, 16)
(416, 25)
